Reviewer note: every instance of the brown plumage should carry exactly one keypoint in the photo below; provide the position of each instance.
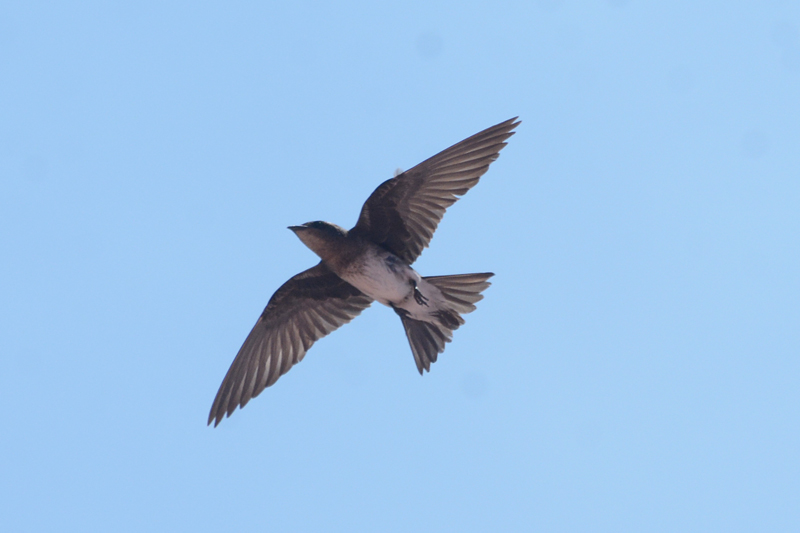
(370, 262)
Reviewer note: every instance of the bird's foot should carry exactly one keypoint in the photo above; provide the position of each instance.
(419, 298)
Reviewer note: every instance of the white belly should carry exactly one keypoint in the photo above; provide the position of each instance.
(384, 278)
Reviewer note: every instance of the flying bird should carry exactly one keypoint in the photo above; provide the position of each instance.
(370, 262)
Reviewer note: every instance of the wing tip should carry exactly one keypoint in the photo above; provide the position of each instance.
(510, 125)
(218, 413)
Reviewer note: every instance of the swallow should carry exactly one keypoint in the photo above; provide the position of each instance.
(370, 262)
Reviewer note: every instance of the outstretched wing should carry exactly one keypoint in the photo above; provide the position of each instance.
(306, 308)
(403, 212)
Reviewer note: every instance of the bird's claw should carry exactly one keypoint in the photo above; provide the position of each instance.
(419, 298)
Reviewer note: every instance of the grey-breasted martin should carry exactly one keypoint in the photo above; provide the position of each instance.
(370, 262)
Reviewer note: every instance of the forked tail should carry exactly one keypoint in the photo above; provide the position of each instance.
(427, 339)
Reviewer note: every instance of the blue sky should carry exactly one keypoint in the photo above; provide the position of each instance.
(634, 366)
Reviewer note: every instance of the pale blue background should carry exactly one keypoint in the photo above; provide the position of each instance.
(634, 367)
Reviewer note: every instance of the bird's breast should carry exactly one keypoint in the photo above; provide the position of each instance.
(382, 276)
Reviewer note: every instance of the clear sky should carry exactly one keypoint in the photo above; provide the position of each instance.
(634, 366)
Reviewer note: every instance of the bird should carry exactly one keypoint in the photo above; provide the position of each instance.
(370, 262)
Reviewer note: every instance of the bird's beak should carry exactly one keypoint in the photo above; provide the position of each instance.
(297, 228)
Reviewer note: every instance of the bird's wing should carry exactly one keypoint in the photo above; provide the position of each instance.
(306, 308)
(403, 212)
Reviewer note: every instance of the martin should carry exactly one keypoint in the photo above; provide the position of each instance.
(370, 262)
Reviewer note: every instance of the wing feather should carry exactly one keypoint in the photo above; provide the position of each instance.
(306, 308)
(403, 213)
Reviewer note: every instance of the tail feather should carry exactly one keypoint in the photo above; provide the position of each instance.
(428, 339)
(462, 291)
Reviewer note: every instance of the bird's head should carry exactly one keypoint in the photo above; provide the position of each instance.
(321, 237)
